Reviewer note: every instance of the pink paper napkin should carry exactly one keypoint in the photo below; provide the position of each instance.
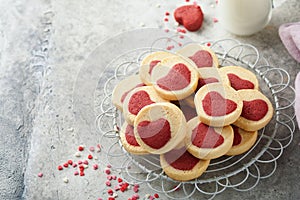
(297, 102)
(290, 36)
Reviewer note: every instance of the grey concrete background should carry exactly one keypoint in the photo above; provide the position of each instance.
(43, 45)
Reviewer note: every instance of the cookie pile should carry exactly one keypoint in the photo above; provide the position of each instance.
(189, 110)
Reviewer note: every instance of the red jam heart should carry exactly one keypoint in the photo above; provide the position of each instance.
(190, 16)
(153, 63)
(125, 93)
(129, 135)
(178, 78)
(254, 110)
(204, 136)
(215, 105)
(237, 136)
(238, 83)
(156, 133)
(137, 101)
(181, 159)
(202, 58)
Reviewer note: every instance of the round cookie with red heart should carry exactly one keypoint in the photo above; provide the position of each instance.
(207, 76)
(149, 62)
(206, 142)
(190, 16)
(159, 127)
(242, 142)
(137, 99)
(257, 110)
(218, 105)
(181, 165)
(201, 55)
(240, 78)
(123, 88)
(129, 142)
(175, 78)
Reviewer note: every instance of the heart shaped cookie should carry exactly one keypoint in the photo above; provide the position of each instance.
(190, 16)
(202, 58)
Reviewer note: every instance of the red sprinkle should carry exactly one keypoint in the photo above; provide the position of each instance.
(60, 167)
(79, 162)
(90, 156)
(74, 165)
(92, 149)
(85, 162)
(82, 173)
(95, 166)
(80, 148)
(110, 192)
(120, 180)
(166, 19)
(66, 165)
(167, 13)
(111, 198)
(108, 183)
(208, 44)
(76, 173)
(40, 174)
(215, 20)
(167, 30)
(107, 171)
(181, 36)
(70, 162)
(187, 0)
(156, 195)
(108, 166)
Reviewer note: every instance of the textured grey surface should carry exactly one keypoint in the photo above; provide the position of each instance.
(43, 45)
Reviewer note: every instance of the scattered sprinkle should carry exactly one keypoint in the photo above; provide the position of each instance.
(60, 167)
(90, 156)
(208, 44)
(95, 166)
(66, 165)
(85, 162)
(92, 149)
(40, 174)
(82, 173)
(70, 162)
(167, 13)
(110, 192)
(76, 173)
(167, 30)
(166, 19)
(156, 195)
(80, 148)
(215, 20)
(74, 165)
(66, 180)
(108, 183)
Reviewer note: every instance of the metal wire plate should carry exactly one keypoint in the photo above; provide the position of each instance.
(241, 172)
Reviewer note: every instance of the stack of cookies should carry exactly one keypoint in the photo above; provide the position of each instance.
(189, 110)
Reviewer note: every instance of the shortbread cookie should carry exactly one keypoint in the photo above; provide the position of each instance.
(159, 127)
(149, 62)
(181, 165)
(175, 78)
(205, 142)
(242, 142)
(240, 78)
(201, 55)
(207, 76)
(137, 99)
(123, 88)
(128, 140)
(257, 110)
(218, 105)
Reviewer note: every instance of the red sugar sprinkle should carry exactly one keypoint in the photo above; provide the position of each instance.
(181, 36)
(208, 44)
(92, 149)
(166, 19)
(170, 47)
(90, 156)
(70, 162)
(179, 44)
(215, 20)
(156, 195)
(60, 167)
(40, 174)
(66, 165)
(76, 173)
(80, 148)
(167, 13)
(81, 168)
(187, 0)
(136, 190)
(120, 180)
(81, 173)
(116, 187)
(95, 166)
(79, 162)
(114, 177)
(110, 192)
(108, 183)
(108, 166)
(167, 30)
(85, 162)
(74, 165)
(109, 177)
(111, 198)
(107, 171)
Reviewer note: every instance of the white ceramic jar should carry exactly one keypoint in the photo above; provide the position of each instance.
(244, 17)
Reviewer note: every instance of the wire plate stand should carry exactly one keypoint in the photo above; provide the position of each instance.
(242, 172)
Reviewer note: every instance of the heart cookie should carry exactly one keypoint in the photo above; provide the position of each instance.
(190, 16)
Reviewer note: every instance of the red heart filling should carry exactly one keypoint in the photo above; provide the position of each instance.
(181, 159)
(137, 101)
(254, 110)
(204, 136)
(178, 78)
(153, 63)
(202, 58)
(156, 133)
(215, 105)
(237, 136)
(237, 83)
(129, 135)
(190, 16)
(125, 93)
(204, 81)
